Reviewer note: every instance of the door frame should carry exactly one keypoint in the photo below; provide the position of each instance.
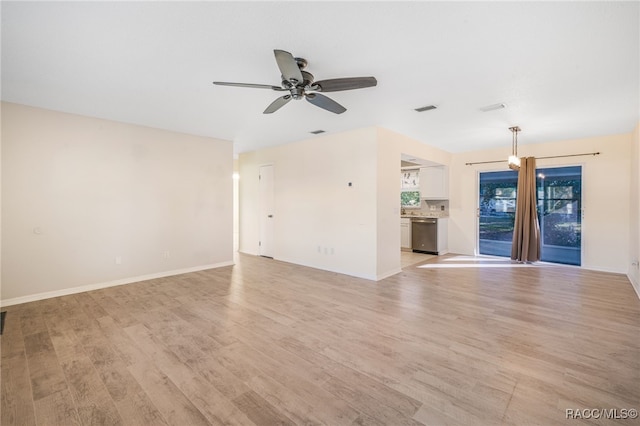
(550, 166)
(266, 225)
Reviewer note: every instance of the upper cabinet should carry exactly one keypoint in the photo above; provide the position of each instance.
(434, 183)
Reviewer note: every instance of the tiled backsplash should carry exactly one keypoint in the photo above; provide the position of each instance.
(437, 208)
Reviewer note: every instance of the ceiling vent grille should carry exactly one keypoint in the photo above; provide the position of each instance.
(493, 107)
(426, 108)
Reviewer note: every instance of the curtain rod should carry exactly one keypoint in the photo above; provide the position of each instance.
(537, 158)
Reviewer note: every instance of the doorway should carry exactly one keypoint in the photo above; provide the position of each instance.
(559, 213)
(266, 211)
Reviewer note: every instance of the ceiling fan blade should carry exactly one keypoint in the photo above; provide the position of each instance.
(325, 103)
(277, 104)
(288, 67)
(338, 84)
(253, 86)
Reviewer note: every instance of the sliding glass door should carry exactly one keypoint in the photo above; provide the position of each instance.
(497, 212)
(559, 213)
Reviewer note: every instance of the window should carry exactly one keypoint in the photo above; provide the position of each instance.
(497, 212)
(410, 199)
(409, 187)
(559, 213)
(409, 179)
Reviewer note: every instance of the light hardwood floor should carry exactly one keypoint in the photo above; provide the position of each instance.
(270, 343)
(409, 258)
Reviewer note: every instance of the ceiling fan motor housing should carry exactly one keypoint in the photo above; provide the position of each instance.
(307, 80)
(302, 63)
(298, 89)
(297, 92)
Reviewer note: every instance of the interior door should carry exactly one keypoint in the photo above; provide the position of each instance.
(266, 211)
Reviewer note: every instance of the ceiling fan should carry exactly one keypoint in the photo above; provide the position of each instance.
(300, 84)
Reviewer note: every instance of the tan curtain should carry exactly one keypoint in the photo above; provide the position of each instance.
(526, 230)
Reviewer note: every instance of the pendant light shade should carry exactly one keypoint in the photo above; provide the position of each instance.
(514, 160)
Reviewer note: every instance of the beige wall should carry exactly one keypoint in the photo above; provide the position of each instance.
(391, 146)
(79, 192)
(634, 243)
(319, 220)
(316, 208)
(605, 195)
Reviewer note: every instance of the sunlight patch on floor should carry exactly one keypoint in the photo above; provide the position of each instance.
(475, 259)
(479, 265)
(478, 262)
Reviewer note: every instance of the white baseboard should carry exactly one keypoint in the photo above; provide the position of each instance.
(251, 253)
(129, 280)
(388, 274)
(635, 285)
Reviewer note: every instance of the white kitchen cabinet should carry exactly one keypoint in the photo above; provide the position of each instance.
(434, 183)
(405, 232)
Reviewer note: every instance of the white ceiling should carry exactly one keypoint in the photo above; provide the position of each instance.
(565, 70)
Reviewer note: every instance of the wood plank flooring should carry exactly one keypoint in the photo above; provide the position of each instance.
(409, 258)
(270, 343)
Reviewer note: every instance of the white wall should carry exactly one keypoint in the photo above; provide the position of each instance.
(634, 243)
(236, 206)
(391, 146)
(605, 187)
(77, 192)
(314, 206)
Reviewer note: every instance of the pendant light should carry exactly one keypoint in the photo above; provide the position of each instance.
(514, 160)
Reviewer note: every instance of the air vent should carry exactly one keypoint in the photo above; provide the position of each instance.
(426, 108)
(493, 107)
(317, 132)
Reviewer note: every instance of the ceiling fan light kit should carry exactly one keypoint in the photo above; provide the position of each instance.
(300, 84)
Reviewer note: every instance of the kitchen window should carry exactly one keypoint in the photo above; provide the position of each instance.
(410, 188)
(410, 179)
(409, 199)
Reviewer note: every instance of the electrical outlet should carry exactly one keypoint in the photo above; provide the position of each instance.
(118, 260)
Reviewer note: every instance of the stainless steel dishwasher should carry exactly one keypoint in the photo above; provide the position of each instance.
(424, 235)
